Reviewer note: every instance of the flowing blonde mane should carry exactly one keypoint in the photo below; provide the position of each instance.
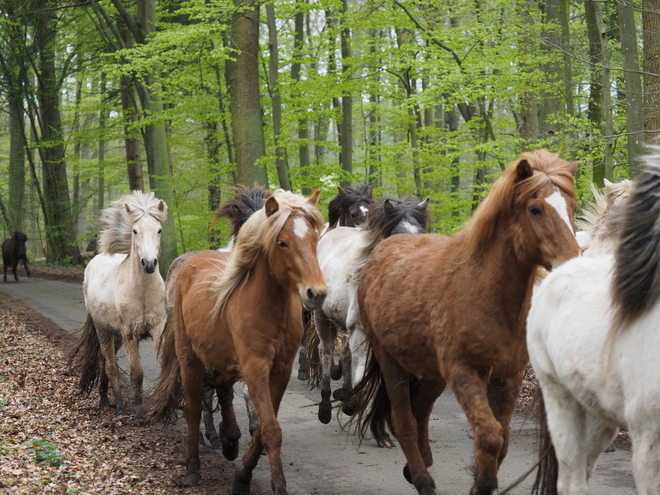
(117, 220)
(258, 235)
(600, 218)
(508, 191)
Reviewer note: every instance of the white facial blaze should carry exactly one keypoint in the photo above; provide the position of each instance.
(364, 209)
(557, 201)
(413, 229)
(300, 227)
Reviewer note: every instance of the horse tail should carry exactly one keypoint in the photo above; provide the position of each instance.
(86, 355)
(167, 396)
(548, 466)
(312, 341)
(370, 397)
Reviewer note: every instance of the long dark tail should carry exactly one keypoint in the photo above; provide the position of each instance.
(373, 404)
(167, 396)
(86, 355)
(548, 469)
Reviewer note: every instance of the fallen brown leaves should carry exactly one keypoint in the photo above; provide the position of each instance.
(52, 440)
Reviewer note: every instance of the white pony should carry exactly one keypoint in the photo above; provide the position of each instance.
(342, 252)
(124, 295)
(593, 338)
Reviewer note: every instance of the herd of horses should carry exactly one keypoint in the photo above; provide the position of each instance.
(419, 312)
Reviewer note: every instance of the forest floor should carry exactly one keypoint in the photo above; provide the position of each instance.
(53, 440)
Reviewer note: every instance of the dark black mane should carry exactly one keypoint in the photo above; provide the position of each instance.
(388, 214)
(345, 199)
(246, 201)
(636, 281)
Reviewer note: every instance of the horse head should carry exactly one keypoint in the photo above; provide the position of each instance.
(293, 253)
(20, 236)
(399, 216)
(544, 205)
(350, 207)
(147, 227)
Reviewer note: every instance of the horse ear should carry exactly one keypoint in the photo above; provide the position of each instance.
(524, 169)
(387, 205)
(129, 210)
(573, 166)
(314, 198)
(162, 205)
(271, 205)
(425, 204)
(342, 191)
(370, 191)
(607, 183)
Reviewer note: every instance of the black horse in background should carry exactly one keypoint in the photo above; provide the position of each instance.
(13, 251)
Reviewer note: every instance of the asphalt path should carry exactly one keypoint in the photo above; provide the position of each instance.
(323, 459)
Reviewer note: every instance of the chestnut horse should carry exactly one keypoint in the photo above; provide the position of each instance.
(241, 316)
(441, 311)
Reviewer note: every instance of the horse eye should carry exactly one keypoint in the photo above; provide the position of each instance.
(535, 211)
(135, 231)
(282, 244)
(160, 230)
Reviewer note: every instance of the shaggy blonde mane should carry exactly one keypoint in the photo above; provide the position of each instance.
(117, 220)
(257, 236)
(508, 192)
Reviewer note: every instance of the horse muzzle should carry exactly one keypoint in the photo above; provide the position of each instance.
(149, 266)
(313, 298)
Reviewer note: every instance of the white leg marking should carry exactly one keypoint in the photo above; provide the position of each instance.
(557, 201)
(300, 227)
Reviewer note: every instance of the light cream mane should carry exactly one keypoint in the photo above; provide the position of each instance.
(117, 220)
(600, 220)
(259, 235)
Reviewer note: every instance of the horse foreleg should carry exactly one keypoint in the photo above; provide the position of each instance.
(324, 329)
(356, 348)
(397, 382)
(502, 396)
(14, 270)
(109, 351)
(266, 395)
(192, 375)
(103, 386)
(136, 372)
(229, 431)
(346, 368)
(303, 373)
(471, 392)
(25, 265)
(646, 457)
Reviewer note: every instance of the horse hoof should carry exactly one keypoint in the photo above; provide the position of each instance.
(486, 488)
(121, 413)
(325, 412)
(193, 479)
(240, 486)
(230, 450)
(406, 474)
(303, 376)
(104, 403)
(385, 442)
(215, 443)
(350, 408)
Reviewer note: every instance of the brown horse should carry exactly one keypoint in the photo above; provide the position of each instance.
(443, 311)
(241, 316)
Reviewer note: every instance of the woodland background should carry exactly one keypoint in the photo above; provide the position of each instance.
(188, 98)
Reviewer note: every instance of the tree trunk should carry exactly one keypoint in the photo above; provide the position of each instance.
(62, 247)
(346, 134)
(599, 99)
(273, 70)
(651, 36)
(101, 154)
(155, 141)
(246, 117)
(551, 102)
(303, 132)
(16, 202)
(633, 81)
(565, 16)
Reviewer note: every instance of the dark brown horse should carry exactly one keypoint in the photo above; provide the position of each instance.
(13, 252)
(241, 316)
(441, 311)
(350, 207)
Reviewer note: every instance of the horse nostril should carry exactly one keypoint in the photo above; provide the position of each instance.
(143, 263)
(155, 263)
(310, 294)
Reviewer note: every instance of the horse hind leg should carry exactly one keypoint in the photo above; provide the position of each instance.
(192, 375)
(103, 386)
(252, 412)
(423, 395)
(646, 458)
(207, 414)
(303, 367)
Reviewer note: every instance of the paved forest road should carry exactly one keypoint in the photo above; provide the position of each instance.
(319, 459)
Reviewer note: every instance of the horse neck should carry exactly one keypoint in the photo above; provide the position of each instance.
(263, 278)
(505, 278)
